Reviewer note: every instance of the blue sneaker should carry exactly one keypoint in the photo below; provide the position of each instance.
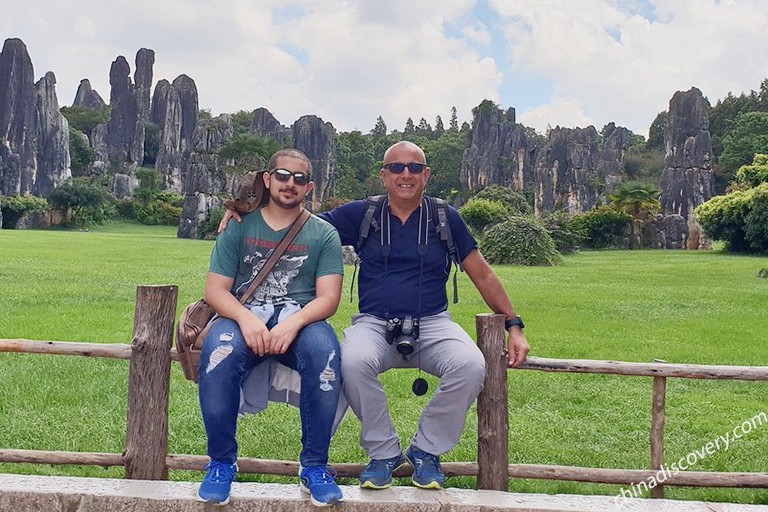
(319, 482)
(378, 473)
(427, 473)
(217, 483)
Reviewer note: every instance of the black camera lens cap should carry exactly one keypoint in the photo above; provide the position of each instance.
(420, 387)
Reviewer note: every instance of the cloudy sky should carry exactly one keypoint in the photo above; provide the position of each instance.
(558, 62)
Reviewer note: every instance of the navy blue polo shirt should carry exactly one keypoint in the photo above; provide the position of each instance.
(391, 289)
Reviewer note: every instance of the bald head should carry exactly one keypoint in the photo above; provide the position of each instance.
(407, 146)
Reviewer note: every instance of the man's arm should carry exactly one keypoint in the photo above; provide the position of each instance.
(220, 298)
(487, 283)
(328, 295)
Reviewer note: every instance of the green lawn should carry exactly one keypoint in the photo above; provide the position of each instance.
(683, 307)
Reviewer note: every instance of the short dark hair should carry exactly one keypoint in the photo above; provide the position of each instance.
(291, 153)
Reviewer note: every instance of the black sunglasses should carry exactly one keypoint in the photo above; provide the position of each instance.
(397, 167)
(299, 178)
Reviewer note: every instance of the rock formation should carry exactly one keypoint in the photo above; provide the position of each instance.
(34, 154)
(205, 177)
(499, 152)
(314, 137)
(610, 165)
(265, 125)
(130, 111)
(565, 174)
(687, 180)
(174, 111)
(87, 97)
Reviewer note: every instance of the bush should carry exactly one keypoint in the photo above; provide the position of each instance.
(567, 239)
(84, 199)
(480, 213)
(724, 217)
(81, 154)
(602, 227)
(158, 213)
(515, 203)
(756, 221)
(520, 241)
(15, 207)
(754, 174)
(210, 226)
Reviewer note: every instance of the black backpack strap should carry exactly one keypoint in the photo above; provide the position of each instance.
(439, 208)
(372, 203)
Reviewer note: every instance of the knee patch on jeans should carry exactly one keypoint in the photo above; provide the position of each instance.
(328, 374)
(221, 352)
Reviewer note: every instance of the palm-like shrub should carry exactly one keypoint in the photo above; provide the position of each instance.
(637, 199)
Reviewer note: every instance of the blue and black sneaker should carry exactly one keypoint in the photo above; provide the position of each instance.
(217, 483)
(319, 482)
(378, 473)
(427, 472)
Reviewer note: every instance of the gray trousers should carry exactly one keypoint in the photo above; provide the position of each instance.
(443, 350)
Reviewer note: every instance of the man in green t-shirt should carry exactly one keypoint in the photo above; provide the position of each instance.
(284, 320)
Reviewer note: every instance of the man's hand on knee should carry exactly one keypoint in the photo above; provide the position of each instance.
(283, 334)
(255, 333)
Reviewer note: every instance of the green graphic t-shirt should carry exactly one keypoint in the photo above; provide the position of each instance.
(243, 248)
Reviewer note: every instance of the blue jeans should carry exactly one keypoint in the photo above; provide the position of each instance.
(309, 354)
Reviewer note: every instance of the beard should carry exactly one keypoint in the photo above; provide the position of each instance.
(286, 205)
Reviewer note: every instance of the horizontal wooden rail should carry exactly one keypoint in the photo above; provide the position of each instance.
(348, 470)
(686, 371)
(71, 348)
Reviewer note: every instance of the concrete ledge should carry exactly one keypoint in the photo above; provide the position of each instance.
(22, 493)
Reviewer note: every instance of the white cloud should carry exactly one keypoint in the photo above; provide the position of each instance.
(623, 67)
(564, 112)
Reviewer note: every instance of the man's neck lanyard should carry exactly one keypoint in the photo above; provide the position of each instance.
(421, 246)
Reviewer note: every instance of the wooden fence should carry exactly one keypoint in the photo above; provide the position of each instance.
(146, 442)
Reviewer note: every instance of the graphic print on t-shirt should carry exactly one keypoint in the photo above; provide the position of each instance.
(274, 289)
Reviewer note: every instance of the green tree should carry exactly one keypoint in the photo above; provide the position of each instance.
(241, 122)
(637, 199)
(15, 207)
(80, 152)
(747, 136)
(409, 127)
(355, 164)
(453, 124)
(444, 159)
(149, 185)
(380, 130)
(85, 119)
(754, 174)
(513, 201)
(482, 213)
(439, 128)
(76, 198)
(248, 151)
(656, 132)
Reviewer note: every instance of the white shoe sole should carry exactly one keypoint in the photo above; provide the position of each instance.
(316, 503)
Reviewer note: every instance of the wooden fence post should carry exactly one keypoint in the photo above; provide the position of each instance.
(146, 435)
(492, 408)
(657, 429)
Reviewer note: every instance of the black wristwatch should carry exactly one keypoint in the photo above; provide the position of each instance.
(511, 322)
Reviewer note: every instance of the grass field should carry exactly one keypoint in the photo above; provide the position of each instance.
(682, 307)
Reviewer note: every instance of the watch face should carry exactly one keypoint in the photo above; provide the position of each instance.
(513, 322)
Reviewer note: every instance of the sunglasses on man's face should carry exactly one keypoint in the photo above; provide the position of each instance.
(397, 167)
(299, 178)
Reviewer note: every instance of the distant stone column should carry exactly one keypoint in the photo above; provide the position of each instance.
(687, 180)
(314, 137)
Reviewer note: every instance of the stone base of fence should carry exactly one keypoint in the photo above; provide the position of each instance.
(24, 493)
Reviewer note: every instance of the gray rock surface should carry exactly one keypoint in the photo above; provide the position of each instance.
(610, 164)
(565, 174)
(687, 180)
(130, 111)
(174, 111)
(34, 154)
(499, 152)
(265, 125)
(206, 177)
(315, 137)
(86, 97)
(122, 185)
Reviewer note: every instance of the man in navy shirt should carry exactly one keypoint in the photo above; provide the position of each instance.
(396, 282)
(403, 273)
